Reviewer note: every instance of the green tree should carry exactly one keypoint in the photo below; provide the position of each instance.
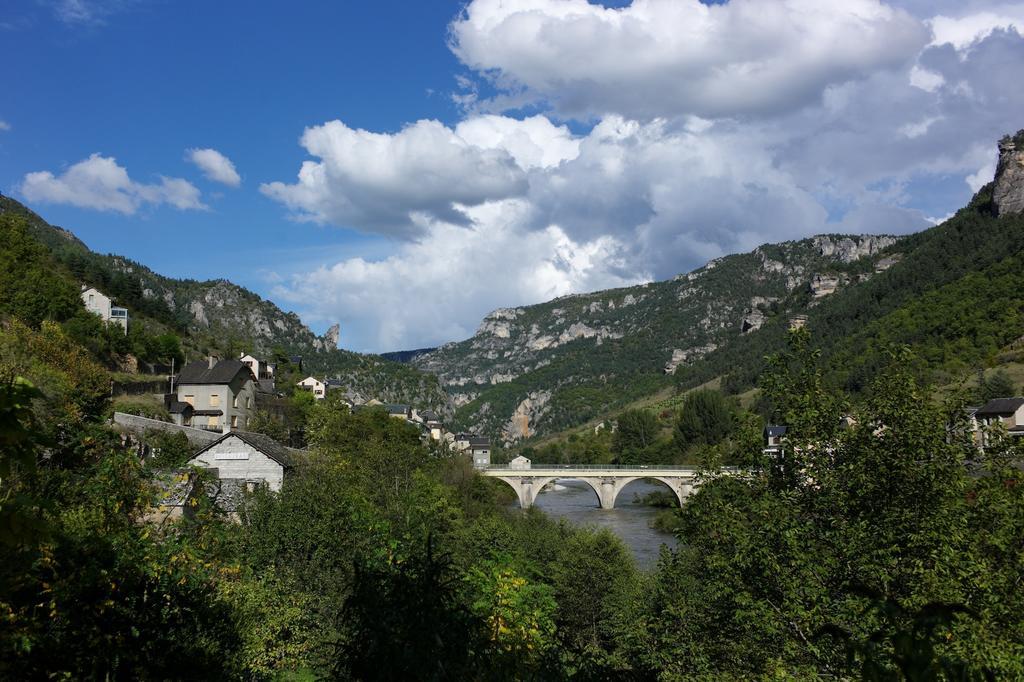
(998, 384)
(860, 555)
(705, 419)
(34, 286)
(636, 431)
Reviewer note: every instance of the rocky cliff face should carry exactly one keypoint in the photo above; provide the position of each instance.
(226, 311)
(1008, 193)
(533, 369)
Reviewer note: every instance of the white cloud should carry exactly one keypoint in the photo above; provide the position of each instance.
(533, 142)
(396, 184)
(964, 31)
(926, 80)
(4, 125)
(438, 289)
(215, 166)
(100, 183)
(507, 211)
(671, 57)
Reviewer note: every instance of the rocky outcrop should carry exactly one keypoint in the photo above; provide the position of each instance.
(526, 413)
(849, 249)
(498, 323)
(1008, 193)
(332, 336)
(823, 285)
(680, 356)
(752, 321)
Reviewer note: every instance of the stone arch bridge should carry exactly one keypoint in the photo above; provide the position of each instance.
(606, 480)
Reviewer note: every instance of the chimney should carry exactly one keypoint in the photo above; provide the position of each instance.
(212, 360)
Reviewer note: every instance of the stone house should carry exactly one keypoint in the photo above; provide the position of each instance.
(98, 303)
(222, 395)
(246, 460)
(480, 451)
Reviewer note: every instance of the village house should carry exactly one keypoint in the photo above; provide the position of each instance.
(480, 451)
(98, 303)
(479, 448)
(248, 460)
(261, 369)
(520, 463)
(773, 437)
(432, 424)
(1007, 412)
(399, 411)
(220, 396)
(314, 385)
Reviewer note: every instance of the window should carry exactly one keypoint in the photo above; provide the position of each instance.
(248, 402)
(214, 400)
(212, 421)
(91, 301)
(234, 401)
(234, 422)
(191, 400)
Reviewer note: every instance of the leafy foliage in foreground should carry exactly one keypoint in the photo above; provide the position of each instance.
(868, 551)
(891, 549)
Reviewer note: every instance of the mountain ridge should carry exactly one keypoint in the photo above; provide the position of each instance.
(222, 318)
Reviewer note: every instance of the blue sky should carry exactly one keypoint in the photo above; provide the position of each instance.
(453, 162)
(149, 80)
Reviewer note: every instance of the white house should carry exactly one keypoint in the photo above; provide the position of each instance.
(261, 369)
(242, 456)
(313, 384)
(519, 462)
(98, 303)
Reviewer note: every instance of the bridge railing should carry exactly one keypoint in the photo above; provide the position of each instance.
(592, 467)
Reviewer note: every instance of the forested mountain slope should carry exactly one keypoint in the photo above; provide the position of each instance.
(539, 368)
(220, 317)
(953, 292)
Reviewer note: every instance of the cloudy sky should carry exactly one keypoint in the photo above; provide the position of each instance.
(403, 168)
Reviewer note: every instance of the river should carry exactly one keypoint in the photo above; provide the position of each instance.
(576, 502)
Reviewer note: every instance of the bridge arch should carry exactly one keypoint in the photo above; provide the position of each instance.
(679, 486)
(526, 488)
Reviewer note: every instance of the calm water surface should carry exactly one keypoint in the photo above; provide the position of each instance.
(576, 502)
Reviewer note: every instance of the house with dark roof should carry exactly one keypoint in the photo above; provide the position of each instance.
(773, 435)
(246, 459)
(480, 451)
(222, 395)
(399, 411)
(262, 369)
(433, 424)
(1008, 412)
